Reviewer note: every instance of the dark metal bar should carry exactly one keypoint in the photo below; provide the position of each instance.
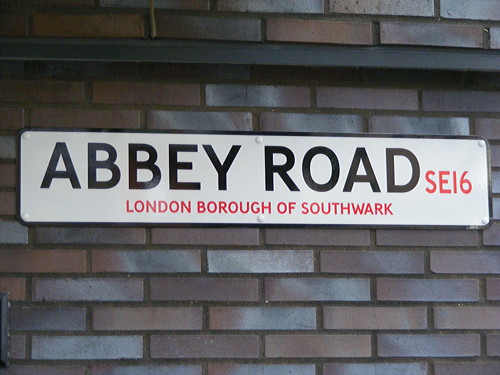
(175, 51)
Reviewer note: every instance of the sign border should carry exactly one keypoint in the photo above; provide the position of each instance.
(247, 225)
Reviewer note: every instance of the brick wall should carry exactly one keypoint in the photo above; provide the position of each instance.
(248, 301)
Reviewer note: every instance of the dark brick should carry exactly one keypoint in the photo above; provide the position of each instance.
(262, 318)
(213, 28)
(488, 128)
(88, 25)
(117, 289)
(375, 369)
(13, 25)
(461, 101)
(146, 93)
(43, 370)
(493, 289)
(42, 261)
(17, 347)
(366, 98)
(147, 370)
(87, 348)
(313, 74)
(11, 232)
(387, 262)
(419, 125)
(203, 346)
(491, 236)
(477, 368)
(205, 236)
(493, 345)
(132, 236)
(316, 346)
(257, 96)
(159, 4)
(199, 120)
(465, 262)
(466, 317)
(395, 8)
(495, 37)
(7, 147)
(375, 318)
(495, 182)
(198, 72)
(11, 118)
(204, 289)
(47, 319)
(427, 290)
(139, 261)
(318, 237)
(495, 155)
(146, 318)
(466, 9)
(309, 122)
(7, 175)
(431, 34)
(272, 6)
(428, 345)
(41, 91)
(14, 286)
(7, 203)
(317, 289)
(260, 261)
(261, 369)
(319, 31)
(403, 237)
(84, 118)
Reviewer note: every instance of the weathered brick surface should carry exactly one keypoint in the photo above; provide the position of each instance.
(399, 8)
(147, 370)
(11, 118)
(84, 118)
(199, 120)
(202, 346)
(12, 232)
(431, 35)
(14, 286)
(205, 236)
(427, 290)
(375, 318)
(460, 101)
(261, 369)
(495, 37)
(493, 289)
(318, 237)
(375, 368)
(47, 319)
(495, 155)
(17, 347)
(7, 203)
(491, 236)
(42, 261)
(333, 346)
(428, 345)
(88, 25)
(465, 262)
(262, 318)
(44, 370)
(159, 4)
(493, 345)
(477, 368)
(41, 91)
(305, 122)
(7, 175)
(419, 125)
(271, 6)
(403, 237)
(13, 25)
(488, 128)
(133, 236)
(214, 28)
(466, 317)
(466, 9)
(7, 147)
(312, 31)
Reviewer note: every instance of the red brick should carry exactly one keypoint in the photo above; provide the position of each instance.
(466, 317)
(431, 34)
(493, 345)
(375, 318)
(7, 175)
(213, 28)
(11, 118)
(375, 369)
(205, 236)
(204, 289)
(493, 289)
(45, 370)
(272, 6)
(203, 346)
(47, 319)
(7, 203)
(262, 318)
(461, 101)
(117, 289)
(147, 370)
(14, 286)
(42, 261)
(314, 31)
(385, 262)
(84, 118)
(88, 25)
(488, 128)
(146, 261)
(310, 122)
(257, 96)
(317, 346)
(87, 348)
(476, 368)
(317, 289)
(146, 93)
(261, 369)
(17, 347)
(41, 91)
(427, 290)
(465, 262)
(199, 120)
(366, 98)
(395, 8)
(13, 25)
(159, 4)
(132, 236)
(428, 345)
(403, 237)
(466, 9)
(146, 318)
(318, 237)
